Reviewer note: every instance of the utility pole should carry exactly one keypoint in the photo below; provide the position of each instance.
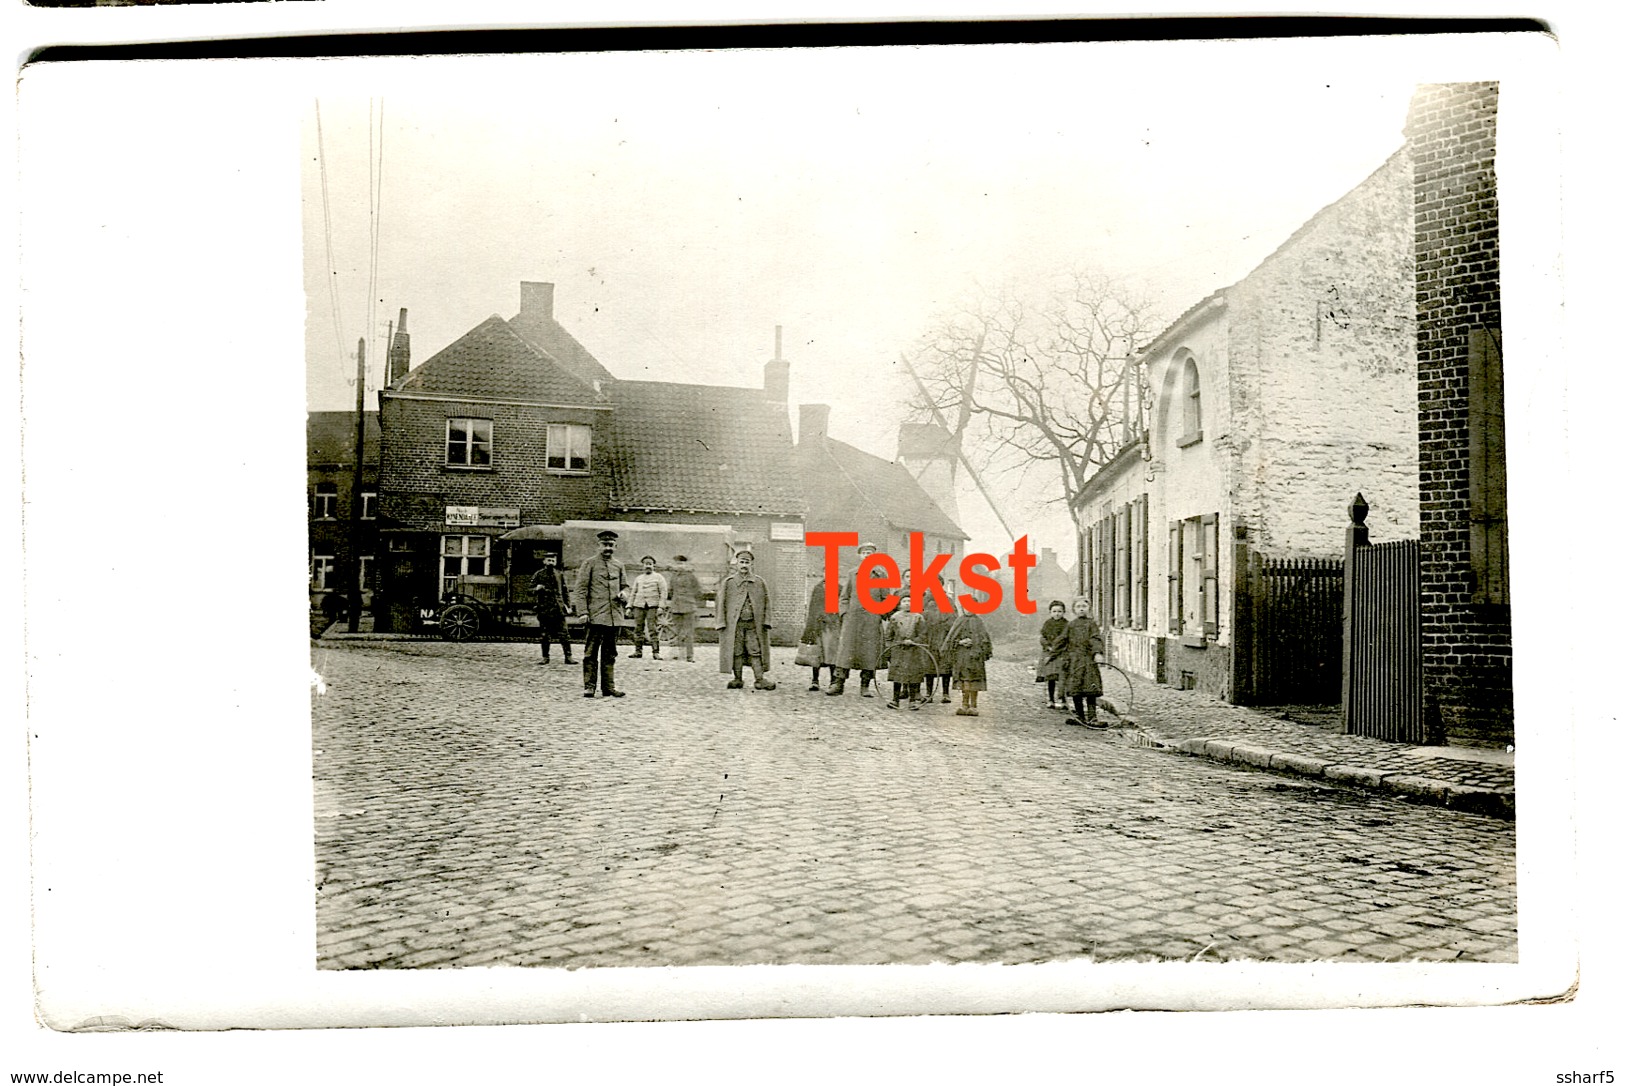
(353, 569)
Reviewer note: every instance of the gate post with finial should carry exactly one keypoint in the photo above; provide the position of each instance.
(1355, 536)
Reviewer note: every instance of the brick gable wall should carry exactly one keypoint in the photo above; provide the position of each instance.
(417, 485)
(1467, 646)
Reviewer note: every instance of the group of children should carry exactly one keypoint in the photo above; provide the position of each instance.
(920, 650)
(1069, 658)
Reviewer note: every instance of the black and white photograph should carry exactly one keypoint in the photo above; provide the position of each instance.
(584, 700)
(982, 529)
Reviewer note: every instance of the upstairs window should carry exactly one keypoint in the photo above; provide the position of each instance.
(369, 505)
(468, 443)
(569, 448)
(1192, 431)
(324, 501)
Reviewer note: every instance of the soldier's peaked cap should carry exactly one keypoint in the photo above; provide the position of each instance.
(607, 535)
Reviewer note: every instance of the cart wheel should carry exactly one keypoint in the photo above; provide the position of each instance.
(667, 633)
(459, 622)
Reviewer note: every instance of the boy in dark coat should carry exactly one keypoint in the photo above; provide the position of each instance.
(934, 631)
(1085, 648)
(905, 652)
(742, 617)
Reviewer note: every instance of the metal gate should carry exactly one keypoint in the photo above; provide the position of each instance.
(1297, 631)
(1382, 682)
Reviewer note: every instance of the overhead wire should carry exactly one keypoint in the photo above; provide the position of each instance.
(375, 202)
(327, 227)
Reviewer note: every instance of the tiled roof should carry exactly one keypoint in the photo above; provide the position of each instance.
(549, 336)
(492, 361)
(701, 448)
(884, 485)
(330, 437)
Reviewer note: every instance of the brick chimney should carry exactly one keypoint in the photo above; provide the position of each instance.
(400, 351)
(536, 300)
(776, 374)
(814, 423)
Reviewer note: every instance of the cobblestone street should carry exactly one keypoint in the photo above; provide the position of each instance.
(473, 809)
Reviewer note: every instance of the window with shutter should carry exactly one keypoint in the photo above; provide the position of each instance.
(1210, 575)
(1104, 614)
(1195, 561)
(1142, 564)
(1124, 613)
(1175, 567)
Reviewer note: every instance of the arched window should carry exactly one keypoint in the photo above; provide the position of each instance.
(1192, 432)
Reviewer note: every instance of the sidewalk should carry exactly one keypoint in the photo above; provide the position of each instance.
(1463, 778)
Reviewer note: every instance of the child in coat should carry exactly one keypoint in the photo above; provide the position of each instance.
(971, 646)
(1052, 651)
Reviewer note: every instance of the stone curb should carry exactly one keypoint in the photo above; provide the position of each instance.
(1459, 797)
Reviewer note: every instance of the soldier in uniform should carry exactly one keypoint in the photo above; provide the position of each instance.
(601, 591)
(686, 596)
(742, 617)
(552, 593)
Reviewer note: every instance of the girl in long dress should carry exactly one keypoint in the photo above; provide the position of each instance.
(1085, 648)
(1052, 651)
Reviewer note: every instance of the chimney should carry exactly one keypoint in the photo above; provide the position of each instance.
(776, 374)
(1046, 556)
(400, 351)
(536, 300)
(814, 423)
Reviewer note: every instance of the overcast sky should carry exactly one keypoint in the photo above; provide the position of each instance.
(685, 204)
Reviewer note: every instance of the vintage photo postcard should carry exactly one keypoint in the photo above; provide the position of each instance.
(795, 532)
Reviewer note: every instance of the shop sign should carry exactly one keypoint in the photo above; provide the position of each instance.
(474, 516)
(785, 531)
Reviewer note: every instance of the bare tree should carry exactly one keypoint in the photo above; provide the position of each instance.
(1035, 386)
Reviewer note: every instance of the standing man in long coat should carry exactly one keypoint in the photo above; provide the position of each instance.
(742, 617)
(600, 593)
(822, 631)
(552, 593)
(863, 635)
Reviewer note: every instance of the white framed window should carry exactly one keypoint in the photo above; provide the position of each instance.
(369, 505)
(367, 567)
(468, 443)
(323, 572)
(1193, 404)
(324, 501)
(1193, 576)
(569, 448)
(463, 555)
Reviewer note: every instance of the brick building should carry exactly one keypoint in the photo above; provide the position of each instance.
(1466, 599)
(1266, 406)
(330, 481)
(514, 441)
